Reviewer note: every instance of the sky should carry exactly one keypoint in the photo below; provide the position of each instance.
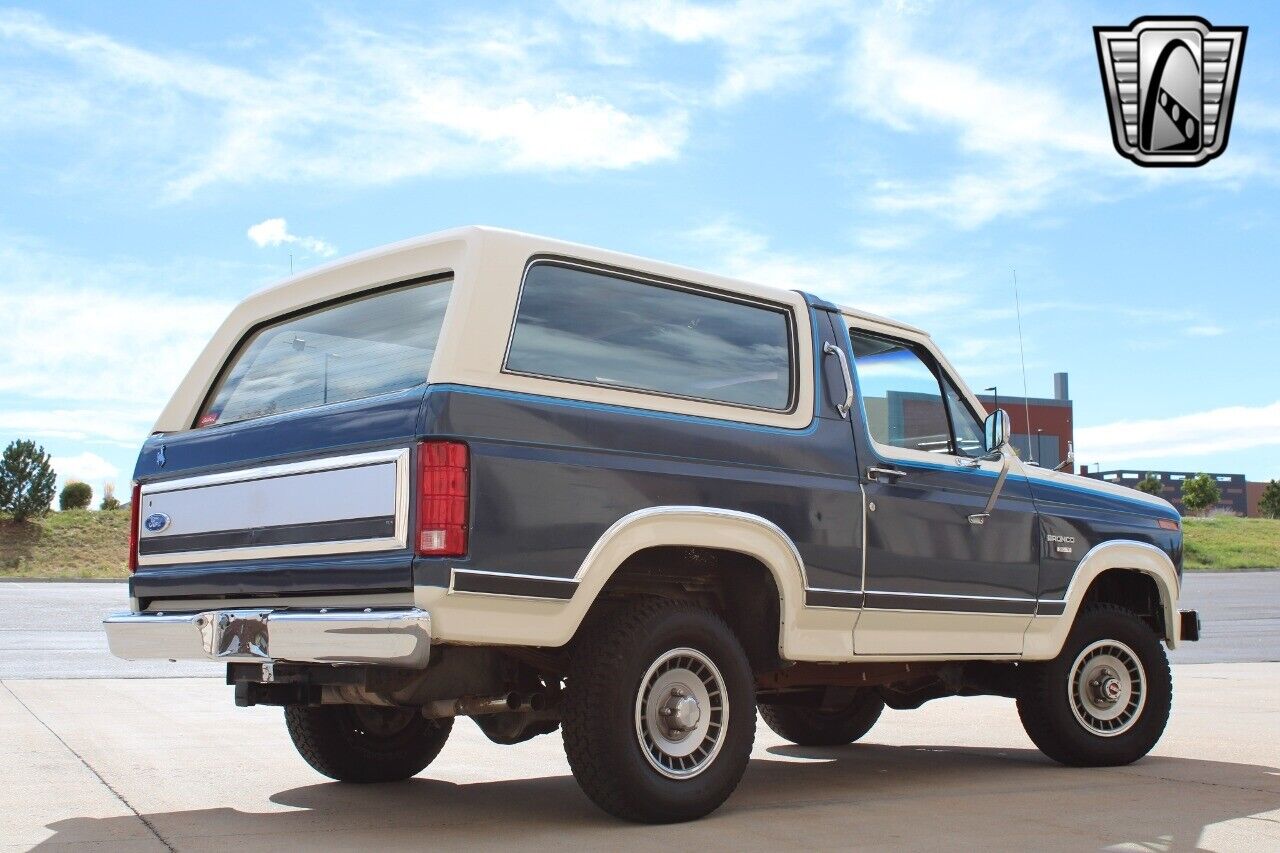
(159, 162)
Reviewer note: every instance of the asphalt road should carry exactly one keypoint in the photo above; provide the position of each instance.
(53, 630)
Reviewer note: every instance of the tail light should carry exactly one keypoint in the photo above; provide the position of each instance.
(135, 514)
(443, 495)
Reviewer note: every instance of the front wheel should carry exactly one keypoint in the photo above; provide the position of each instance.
(365, 743)
(659, 712)
(1105, 699)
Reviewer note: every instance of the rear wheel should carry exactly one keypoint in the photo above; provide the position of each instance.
(365, 743)
(1105, 699)
(659, 712)
(835, 723)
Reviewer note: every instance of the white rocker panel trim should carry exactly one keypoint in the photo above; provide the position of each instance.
(1046, 634)
(809, 634)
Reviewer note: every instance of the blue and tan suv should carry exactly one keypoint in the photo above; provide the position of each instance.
(549, 486)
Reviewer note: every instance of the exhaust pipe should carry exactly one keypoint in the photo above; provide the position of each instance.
(475, 706)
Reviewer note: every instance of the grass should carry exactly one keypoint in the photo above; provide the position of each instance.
(84, 544)
(73, 544)
(1225, 543)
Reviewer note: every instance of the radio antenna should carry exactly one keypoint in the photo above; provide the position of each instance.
(1026, 405)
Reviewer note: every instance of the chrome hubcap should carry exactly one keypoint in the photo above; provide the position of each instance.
(1107, 689)
(682, 710)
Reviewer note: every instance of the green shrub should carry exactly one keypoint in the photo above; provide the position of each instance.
(27, 480)
(75, 495)
(1199, 493)
(1269, 503)
(1150, 484)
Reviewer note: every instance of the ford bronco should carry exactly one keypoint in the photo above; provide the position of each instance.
(547, 486)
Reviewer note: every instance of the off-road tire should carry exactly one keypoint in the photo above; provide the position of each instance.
(818, 727)
(1045, 699)
(365, 743)
(602, 727)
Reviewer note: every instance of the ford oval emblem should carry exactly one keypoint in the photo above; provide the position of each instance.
(156, 522)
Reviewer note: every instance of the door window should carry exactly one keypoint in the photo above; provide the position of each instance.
(967, 428)
(904, 398)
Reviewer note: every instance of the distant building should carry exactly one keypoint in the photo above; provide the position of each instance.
(1045, 440)
(1253, 495)
(1234, 489)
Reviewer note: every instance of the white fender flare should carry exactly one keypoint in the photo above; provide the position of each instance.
(693, 527)
(1046, 635)
(495, 619)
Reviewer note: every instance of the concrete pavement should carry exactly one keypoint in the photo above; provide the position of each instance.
(140, 761)
(54, 630)
(171, 764)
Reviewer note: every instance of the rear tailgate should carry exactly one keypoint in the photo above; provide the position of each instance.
(314, 501)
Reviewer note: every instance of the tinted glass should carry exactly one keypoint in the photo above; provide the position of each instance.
(367, 346)
(900, 394)
(589, 327)
(968, 429)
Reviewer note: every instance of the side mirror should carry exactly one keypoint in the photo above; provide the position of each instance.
(996, 431)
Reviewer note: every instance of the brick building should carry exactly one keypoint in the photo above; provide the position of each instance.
(1045, 439)
(1233, 487)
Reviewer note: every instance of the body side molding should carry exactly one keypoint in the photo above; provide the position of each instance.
(1046, 633)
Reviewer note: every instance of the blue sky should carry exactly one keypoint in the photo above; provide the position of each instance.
(901, 157)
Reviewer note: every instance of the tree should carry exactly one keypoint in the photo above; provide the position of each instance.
(1199, 493)
(27, 480)
(75, 495)
(1269, 503)
(109, 499)
(1150, 484)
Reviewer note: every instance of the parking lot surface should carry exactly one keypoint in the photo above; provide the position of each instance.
(170, 764)
(139, 762)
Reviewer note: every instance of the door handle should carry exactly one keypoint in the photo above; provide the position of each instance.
(829, 348)
(890, 474)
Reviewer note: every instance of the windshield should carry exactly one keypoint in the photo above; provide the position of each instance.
(362, 347)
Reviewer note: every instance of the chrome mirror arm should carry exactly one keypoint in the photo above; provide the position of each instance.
(1005, 452)
(1070, 461)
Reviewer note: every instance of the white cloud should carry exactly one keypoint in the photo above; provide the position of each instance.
(357, 106)
(108, 424)
(765, 45)
(88, 467)
(91, 351)
(1206, 331)
(1021, 139)
(275, 232)
(1215, 431)
(904, 290)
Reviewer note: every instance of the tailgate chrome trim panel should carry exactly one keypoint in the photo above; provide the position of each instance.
(400, 637)
(246, 506)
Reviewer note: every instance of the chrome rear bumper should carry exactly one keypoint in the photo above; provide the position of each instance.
(399, 637)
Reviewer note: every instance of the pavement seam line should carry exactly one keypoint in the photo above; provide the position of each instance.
(150, 827)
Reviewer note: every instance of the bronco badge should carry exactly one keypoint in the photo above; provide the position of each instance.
(1170, 86)
(1061, 544)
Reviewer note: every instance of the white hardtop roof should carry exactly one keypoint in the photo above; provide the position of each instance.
(535, 244)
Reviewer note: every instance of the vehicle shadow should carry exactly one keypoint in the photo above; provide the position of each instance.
(907, 797)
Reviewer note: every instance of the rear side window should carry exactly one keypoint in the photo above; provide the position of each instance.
(587, 326)
(365, 346)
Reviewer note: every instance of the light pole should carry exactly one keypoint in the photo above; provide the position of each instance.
(995, 395)
(1037, 447)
